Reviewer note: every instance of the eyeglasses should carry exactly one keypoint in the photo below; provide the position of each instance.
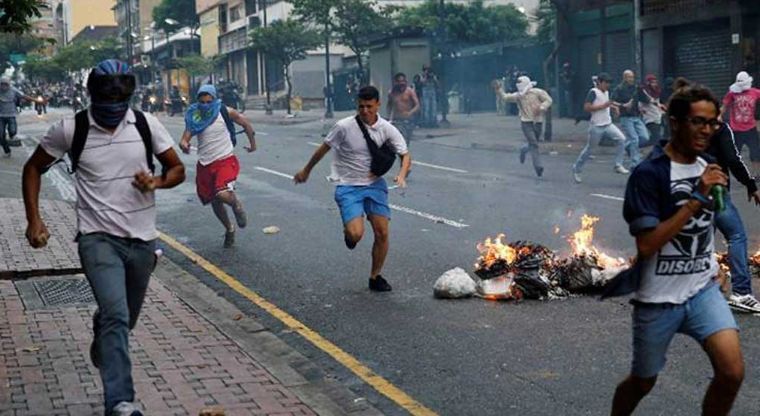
(701, 122)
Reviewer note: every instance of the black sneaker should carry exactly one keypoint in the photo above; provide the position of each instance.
(378, 284)
(540, 172)
(229, 239)
(94, 354)
(523, 154)
(350, 244)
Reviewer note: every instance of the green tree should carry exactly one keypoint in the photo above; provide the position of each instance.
(354, 21)
(15, 15)
(11, 43)
(38, 67)
(472, 23)
(285, 41)
(182, 11)
(546, 15)
(197, 65)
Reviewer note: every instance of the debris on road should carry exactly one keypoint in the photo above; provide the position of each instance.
(525, 270)
(273, 229)
(454, 284)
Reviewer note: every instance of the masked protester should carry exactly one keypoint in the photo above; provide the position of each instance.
(111, 148)
(652, 109)
(9, 96)
(533, 104)
(740, 102)
(218, 168)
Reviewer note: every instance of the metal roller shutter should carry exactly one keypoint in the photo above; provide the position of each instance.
(701, 53)
(618, 54)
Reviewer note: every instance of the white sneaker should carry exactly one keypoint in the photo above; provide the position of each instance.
(577, 177)
(126, 409)
(621, 170)
(744, 303)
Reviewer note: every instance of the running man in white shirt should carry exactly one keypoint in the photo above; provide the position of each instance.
(359, 191)
(218, 168)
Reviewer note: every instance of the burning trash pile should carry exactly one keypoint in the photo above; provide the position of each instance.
(753, 262)
(524, 270)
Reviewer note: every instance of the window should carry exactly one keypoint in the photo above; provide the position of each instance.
(223, 18)
(250, 7)
(235, 14)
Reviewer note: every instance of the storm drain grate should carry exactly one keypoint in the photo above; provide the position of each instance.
(55, 293)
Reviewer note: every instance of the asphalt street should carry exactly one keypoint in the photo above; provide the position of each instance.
(464, 357)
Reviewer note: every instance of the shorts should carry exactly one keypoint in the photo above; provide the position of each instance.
(752, 140)
(355, 201)
(655, 325)
(217, 177)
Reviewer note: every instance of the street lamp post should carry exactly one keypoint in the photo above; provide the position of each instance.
(328, 92)
(265, 67)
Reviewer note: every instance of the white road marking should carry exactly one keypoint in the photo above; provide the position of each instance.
(614, 198)
(430, 165)
(431, 217)
(274, 172)
(417, 162)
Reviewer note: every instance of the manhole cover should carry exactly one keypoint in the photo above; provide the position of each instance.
(55, 293)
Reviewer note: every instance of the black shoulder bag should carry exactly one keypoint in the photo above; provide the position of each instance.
(382, 157)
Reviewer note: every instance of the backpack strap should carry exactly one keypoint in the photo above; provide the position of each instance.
(229, 123)
(81, 130)
(147, 138)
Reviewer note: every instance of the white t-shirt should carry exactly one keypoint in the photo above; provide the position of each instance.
(687, 262)
(601, 117)
(106, 200)
(214, 142)
(352, 161)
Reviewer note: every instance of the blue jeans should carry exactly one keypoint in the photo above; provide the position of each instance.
(118, 270)
(595, 134)
(429, 107)
(8, 123)
(730, 225)
(655, 325)
(635, 132)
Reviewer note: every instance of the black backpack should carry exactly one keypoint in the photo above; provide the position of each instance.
(82, 129)
(229, 123)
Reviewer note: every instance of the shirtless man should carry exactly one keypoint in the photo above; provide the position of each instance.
(403, 105)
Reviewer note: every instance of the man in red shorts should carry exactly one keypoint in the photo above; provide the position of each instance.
(218, 168)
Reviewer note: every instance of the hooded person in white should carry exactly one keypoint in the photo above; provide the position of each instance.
(533, 103)
(741, 104)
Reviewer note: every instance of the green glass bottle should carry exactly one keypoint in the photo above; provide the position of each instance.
(717, 193)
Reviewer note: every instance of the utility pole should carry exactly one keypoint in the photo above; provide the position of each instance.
(265, 66)
(128, 5)
(328, 88)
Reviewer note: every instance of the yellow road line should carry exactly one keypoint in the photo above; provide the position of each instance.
(380, 384)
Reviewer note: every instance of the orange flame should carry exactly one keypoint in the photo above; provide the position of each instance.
(582, 243)
(494, 250)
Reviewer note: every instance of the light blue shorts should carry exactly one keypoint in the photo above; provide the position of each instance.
(655, 325)
(355, 201)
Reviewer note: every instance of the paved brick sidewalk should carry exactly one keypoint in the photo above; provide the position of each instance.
(17, 258)
(182, 363)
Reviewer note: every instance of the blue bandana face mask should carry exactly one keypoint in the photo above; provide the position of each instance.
(109, 115)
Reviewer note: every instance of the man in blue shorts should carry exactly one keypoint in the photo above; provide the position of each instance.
(359, 191)
(670, 212)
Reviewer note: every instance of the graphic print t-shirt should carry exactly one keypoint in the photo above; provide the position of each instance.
(742, 109)
(687, 262)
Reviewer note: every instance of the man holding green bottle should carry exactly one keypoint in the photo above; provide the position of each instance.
(670, 209)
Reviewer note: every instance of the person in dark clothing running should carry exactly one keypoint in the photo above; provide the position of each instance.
(723, 148)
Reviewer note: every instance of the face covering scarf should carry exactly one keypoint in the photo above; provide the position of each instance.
(200, 115)
(109, 115)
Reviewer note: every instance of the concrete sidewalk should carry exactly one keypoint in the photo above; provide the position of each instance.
(191, 350)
